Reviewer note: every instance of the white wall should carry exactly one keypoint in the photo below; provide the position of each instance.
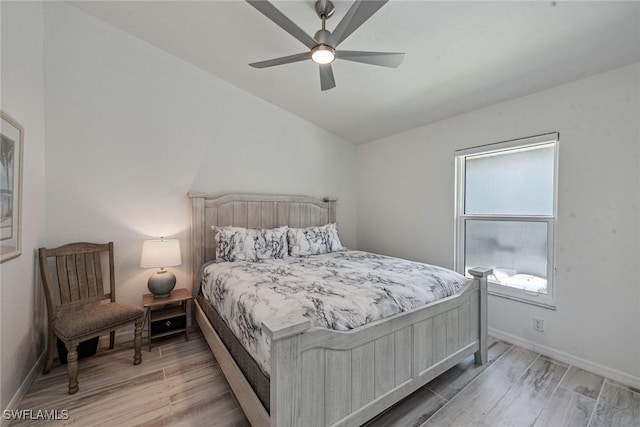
(131, 129)
(406, 208)
(21, 302)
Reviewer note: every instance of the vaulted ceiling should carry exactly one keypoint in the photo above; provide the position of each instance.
(460, 56)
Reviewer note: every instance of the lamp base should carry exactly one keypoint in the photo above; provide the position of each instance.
(161, 284)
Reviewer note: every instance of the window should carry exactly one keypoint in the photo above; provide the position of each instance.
(505, 215)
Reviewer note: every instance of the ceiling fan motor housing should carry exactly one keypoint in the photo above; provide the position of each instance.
(322, 37)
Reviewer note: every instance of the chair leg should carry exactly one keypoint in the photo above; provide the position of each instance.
(137, 342)
(112, 339)
(51, 350)
(72, 366)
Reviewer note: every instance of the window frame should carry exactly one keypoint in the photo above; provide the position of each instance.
(461, 218)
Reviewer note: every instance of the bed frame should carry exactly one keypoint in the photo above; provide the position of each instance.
(321, 377)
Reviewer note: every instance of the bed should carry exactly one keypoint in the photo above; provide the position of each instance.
(319, 376)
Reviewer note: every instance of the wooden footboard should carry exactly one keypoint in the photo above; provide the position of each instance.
(330, 378)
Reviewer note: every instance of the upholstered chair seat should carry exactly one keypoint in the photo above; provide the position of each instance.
(75, 324)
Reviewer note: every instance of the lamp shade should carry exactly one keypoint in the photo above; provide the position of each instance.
(160, 253)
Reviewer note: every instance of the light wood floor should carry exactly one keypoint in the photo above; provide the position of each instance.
(179, 383)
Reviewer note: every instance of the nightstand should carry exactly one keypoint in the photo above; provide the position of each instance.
(166, 316)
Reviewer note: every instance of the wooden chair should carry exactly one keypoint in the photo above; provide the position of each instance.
(78, 306)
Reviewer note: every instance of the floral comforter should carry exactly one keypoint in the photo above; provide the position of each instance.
(340, 290)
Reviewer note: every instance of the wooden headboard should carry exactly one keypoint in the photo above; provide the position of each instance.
(251, 211)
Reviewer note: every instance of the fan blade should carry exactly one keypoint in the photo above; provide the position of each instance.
(283, 60)
(360, 11)
(326, 77)
(383, 59)
(270, 11)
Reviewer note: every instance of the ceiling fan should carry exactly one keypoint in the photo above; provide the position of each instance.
(323, 45)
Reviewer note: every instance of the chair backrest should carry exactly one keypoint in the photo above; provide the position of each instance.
(79, 277)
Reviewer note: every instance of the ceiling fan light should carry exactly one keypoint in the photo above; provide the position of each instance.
(323, 54)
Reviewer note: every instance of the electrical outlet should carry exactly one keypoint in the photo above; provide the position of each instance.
(538, 325)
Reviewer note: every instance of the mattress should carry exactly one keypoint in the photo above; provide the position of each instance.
(255, 377)
(340, 291)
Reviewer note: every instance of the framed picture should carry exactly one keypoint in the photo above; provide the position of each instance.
(12, 139)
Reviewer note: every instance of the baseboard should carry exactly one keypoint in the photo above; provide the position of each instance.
(570, 359)
(24, 388)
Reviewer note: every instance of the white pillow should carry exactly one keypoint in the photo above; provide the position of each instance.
(250, 244)
(314, 240)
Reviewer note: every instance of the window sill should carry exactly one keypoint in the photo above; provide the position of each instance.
(549, 305)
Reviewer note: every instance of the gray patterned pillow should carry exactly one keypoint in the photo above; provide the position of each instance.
(272, 243)
(314, 240)
(250, 244)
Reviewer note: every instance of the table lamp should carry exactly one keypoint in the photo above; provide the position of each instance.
(160, 254)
